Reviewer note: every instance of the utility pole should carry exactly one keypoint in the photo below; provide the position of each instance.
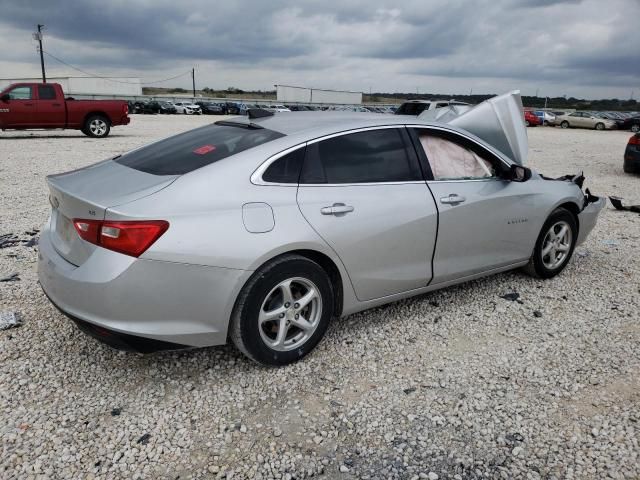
(193, 78)
(38, 36)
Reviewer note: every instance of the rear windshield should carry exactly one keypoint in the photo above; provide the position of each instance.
(197, 148)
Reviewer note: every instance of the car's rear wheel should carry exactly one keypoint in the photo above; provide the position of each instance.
(599, 126)
(635, 128)
(526, 122)
(564, 124)
(283, 311)
(554, 245)
(96, 126)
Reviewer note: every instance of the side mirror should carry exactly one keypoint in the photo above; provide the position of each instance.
(5, 98)
(518, 173)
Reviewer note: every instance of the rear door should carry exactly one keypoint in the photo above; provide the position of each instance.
(20, 109)
(51, 110)
(363, 192)
(485, 221)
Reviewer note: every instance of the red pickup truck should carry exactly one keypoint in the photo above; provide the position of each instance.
(42, 105)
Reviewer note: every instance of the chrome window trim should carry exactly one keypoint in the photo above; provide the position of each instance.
(256, 176)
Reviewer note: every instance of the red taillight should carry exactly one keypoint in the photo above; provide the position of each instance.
(88, 229)
(125, 109)
(128, 237)
(635, 140)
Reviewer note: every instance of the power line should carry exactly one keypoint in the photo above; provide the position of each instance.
(111, 79)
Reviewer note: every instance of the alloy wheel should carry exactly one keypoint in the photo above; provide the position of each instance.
(98, 127)
(290, 314)
(556, 245)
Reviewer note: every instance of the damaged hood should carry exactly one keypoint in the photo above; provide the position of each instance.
(498, 121)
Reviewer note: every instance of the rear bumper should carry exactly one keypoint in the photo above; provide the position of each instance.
(179, 304)
(588, 217)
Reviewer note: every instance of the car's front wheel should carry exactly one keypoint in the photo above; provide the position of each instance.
(554, 245)
(283, 311)
(635, 128)
(564, 124)
(599, 126)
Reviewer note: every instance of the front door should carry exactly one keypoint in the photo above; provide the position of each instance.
(486, 222)
(364, 194)
(20, 109)
(51, 110)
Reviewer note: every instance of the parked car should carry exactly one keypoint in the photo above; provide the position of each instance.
(547, 118)
(232, 108)
(211, 108)
(141, 254)
(187, 108)
(531, 120)
(43, 105)
(416, 107)
(630, 123)
(166, 108)
(632, 155)
(132, 106)
(584, 120)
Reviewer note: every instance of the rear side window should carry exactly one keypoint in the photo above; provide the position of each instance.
(46, 92)
(286, 169)
(195, 149)
(372, 156)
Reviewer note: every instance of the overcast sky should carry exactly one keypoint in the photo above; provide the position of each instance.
(577, 48)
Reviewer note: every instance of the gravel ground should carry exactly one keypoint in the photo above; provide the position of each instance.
(460, 383)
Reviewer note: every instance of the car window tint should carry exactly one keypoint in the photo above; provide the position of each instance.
(451, 161)
(363, 157)
(412, 108)
(21, 93)
(196, 148)
(46, 92)
(286, 169)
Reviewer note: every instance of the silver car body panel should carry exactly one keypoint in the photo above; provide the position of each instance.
(226, 222)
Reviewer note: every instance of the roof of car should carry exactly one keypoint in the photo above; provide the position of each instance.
(291, 123)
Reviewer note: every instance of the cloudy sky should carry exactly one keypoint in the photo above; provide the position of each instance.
(581, 48)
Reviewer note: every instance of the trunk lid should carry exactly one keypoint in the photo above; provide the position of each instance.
(87, 193)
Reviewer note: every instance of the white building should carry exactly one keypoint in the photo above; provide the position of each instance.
(88, 86)
(288, 93)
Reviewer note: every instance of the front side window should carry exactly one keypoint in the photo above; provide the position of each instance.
(46, 92)
(20, 93)
(372, 156)
(450, 160)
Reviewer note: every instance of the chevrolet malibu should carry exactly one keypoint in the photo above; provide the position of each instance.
(262, 229)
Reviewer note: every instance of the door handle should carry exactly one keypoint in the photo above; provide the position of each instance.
(56, 104)
(452, 199)
(28, 104)
(337, 209)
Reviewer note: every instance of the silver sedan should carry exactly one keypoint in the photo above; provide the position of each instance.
(263, 229)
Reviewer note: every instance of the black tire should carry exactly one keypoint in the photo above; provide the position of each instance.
(599, 126)
(564, 124)
(527, 124)
(635, 128)
(96, 126)
(244, 329)
(536, 266)
(545, 123)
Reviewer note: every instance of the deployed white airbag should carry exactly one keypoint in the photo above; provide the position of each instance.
(498, 121)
